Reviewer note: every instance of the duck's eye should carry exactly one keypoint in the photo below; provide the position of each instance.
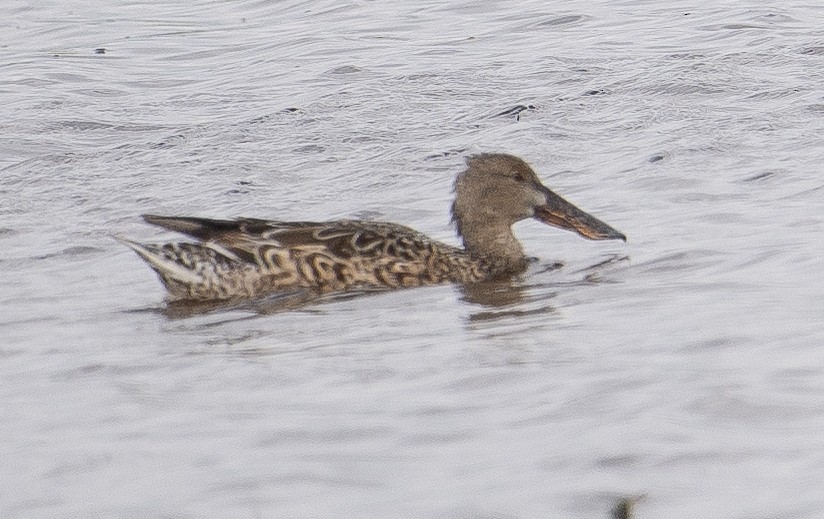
(518, 176)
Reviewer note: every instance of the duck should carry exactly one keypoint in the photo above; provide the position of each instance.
(248, 258)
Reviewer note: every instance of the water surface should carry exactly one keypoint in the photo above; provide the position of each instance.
(684, 365)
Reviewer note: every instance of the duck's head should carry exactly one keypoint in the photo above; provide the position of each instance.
(496, 191)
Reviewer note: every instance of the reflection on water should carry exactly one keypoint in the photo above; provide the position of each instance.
(501, 300)
(495, 294)
(610, 261)
(280, 302)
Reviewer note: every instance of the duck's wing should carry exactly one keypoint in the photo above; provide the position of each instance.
(208, 229)
(249, 238)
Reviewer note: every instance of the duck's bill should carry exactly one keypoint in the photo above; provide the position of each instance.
(560, 213)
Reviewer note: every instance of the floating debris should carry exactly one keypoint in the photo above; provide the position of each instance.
(625, 507)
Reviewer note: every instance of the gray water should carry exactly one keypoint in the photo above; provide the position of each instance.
(684, 366)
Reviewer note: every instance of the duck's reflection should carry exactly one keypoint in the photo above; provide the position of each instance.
(494, 294)
(519, 297)
(292, 300)
(503, 299)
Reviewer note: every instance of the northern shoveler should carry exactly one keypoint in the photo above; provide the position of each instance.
(248, 258)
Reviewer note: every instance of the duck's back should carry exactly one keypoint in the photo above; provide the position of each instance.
(249, 257)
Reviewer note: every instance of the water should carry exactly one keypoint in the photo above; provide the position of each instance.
(684, 366)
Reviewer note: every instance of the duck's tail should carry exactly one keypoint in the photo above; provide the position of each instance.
(195, 271)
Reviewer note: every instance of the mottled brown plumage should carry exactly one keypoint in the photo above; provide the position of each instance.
(247, 258)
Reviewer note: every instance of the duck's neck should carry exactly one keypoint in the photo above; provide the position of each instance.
(493, 242)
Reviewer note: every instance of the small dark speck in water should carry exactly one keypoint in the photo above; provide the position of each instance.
(760, 176)
(818, 50)
(291, 110)
(658, 157)
(100, 50)
(168, 142)
(516, 111)
(443, 154)
(245, 182)
(596, 92)
(262, 119)
(625, 507)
